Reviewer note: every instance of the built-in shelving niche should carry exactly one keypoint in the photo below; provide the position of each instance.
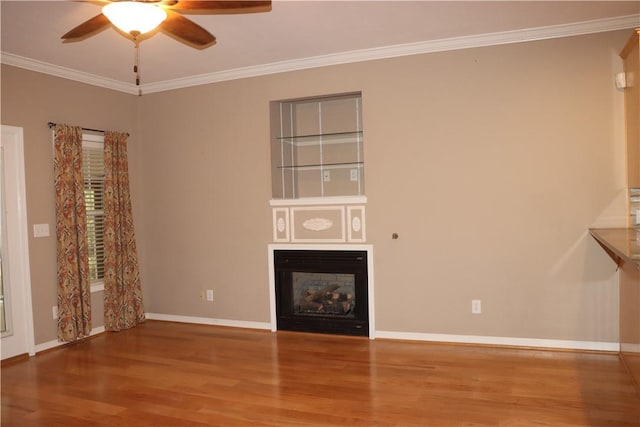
(317, 147)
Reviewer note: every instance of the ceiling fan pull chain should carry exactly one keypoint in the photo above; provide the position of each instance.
(136, 59)
(136, 63)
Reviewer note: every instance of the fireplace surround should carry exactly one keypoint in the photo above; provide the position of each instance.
(315, 288)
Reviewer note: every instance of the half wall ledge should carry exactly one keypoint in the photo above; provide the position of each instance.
(622, 244)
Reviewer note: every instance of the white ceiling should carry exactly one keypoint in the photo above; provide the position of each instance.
(295, 34)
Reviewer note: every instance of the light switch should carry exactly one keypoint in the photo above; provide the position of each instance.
(40, 230)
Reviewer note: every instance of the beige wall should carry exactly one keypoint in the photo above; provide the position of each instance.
(31, 100)
(489, 163)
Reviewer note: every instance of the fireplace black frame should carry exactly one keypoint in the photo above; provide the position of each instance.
(287, 262)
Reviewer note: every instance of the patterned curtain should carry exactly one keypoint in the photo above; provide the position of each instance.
(74, 293)
(123, 306)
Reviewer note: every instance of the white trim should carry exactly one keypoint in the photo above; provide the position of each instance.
(410, 336)
(431, 46)
(339, 209)
(273, 325)
(350, 224)
(319, 201)
(55, 343)
(97, 287)
(502, 341)
(66, 73)
(285, 218)
(392, 335)
(321, 247)
(455, 43)
(208, 321)
(21, 238)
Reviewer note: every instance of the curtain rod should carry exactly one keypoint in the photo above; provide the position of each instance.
(52, 125)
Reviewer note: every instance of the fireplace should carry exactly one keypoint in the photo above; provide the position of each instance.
(322, 291)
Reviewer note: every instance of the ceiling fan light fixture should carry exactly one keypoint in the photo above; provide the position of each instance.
(134, 17)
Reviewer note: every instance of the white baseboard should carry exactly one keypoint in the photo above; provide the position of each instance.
(410, 336)
(55, 343)
(413, 336)
(209, 321)
(502, 341)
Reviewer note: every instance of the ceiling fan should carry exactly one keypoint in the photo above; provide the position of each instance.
(135, 18)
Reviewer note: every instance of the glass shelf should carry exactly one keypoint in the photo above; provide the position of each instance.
(346, 165)
(326, 138)
(317, 147)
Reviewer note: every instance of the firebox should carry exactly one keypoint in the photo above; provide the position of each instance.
(322, 291)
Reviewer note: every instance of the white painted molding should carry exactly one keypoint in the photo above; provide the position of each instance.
(410, 336)
(501, 341)
(317, 224)
(97, 287)
(321, 247)
(455, 43)
(356, 224)
(340, 237)
(319, 201)
(66, 73)
(281, 225)
(20, 267)
(209, 321)
(55, 343)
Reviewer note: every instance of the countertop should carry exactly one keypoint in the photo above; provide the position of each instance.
(622, 244)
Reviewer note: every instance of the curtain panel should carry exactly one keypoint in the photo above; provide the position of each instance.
(123, 305)
(74, 293)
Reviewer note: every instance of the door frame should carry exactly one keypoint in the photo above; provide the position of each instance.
(18, 243)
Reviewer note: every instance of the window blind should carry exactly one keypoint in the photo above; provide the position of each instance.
(93, 172)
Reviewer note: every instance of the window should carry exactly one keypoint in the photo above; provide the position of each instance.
(93, 172)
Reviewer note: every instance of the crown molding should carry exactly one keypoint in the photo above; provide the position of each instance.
(455, 43)
(66, 73)
(441, 45)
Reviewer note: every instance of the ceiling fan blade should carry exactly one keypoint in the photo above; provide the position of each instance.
(186, 31)
(87, 28)
(220, 7)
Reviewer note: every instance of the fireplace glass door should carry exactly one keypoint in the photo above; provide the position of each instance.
(322, 291)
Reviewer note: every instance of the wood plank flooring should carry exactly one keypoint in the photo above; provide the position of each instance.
(170, 374)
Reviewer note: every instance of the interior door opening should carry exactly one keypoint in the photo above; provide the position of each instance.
(16, 308)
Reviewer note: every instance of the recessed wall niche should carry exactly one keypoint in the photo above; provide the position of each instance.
(317, 147)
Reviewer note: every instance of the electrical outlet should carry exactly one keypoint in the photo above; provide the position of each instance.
(326, 176)
(209, 294)
(353, 174)
(476, 306)
(54, 311)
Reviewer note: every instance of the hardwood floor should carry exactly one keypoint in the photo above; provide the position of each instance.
(169, 374)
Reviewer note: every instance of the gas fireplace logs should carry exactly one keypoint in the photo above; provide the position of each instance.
(326, 301)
